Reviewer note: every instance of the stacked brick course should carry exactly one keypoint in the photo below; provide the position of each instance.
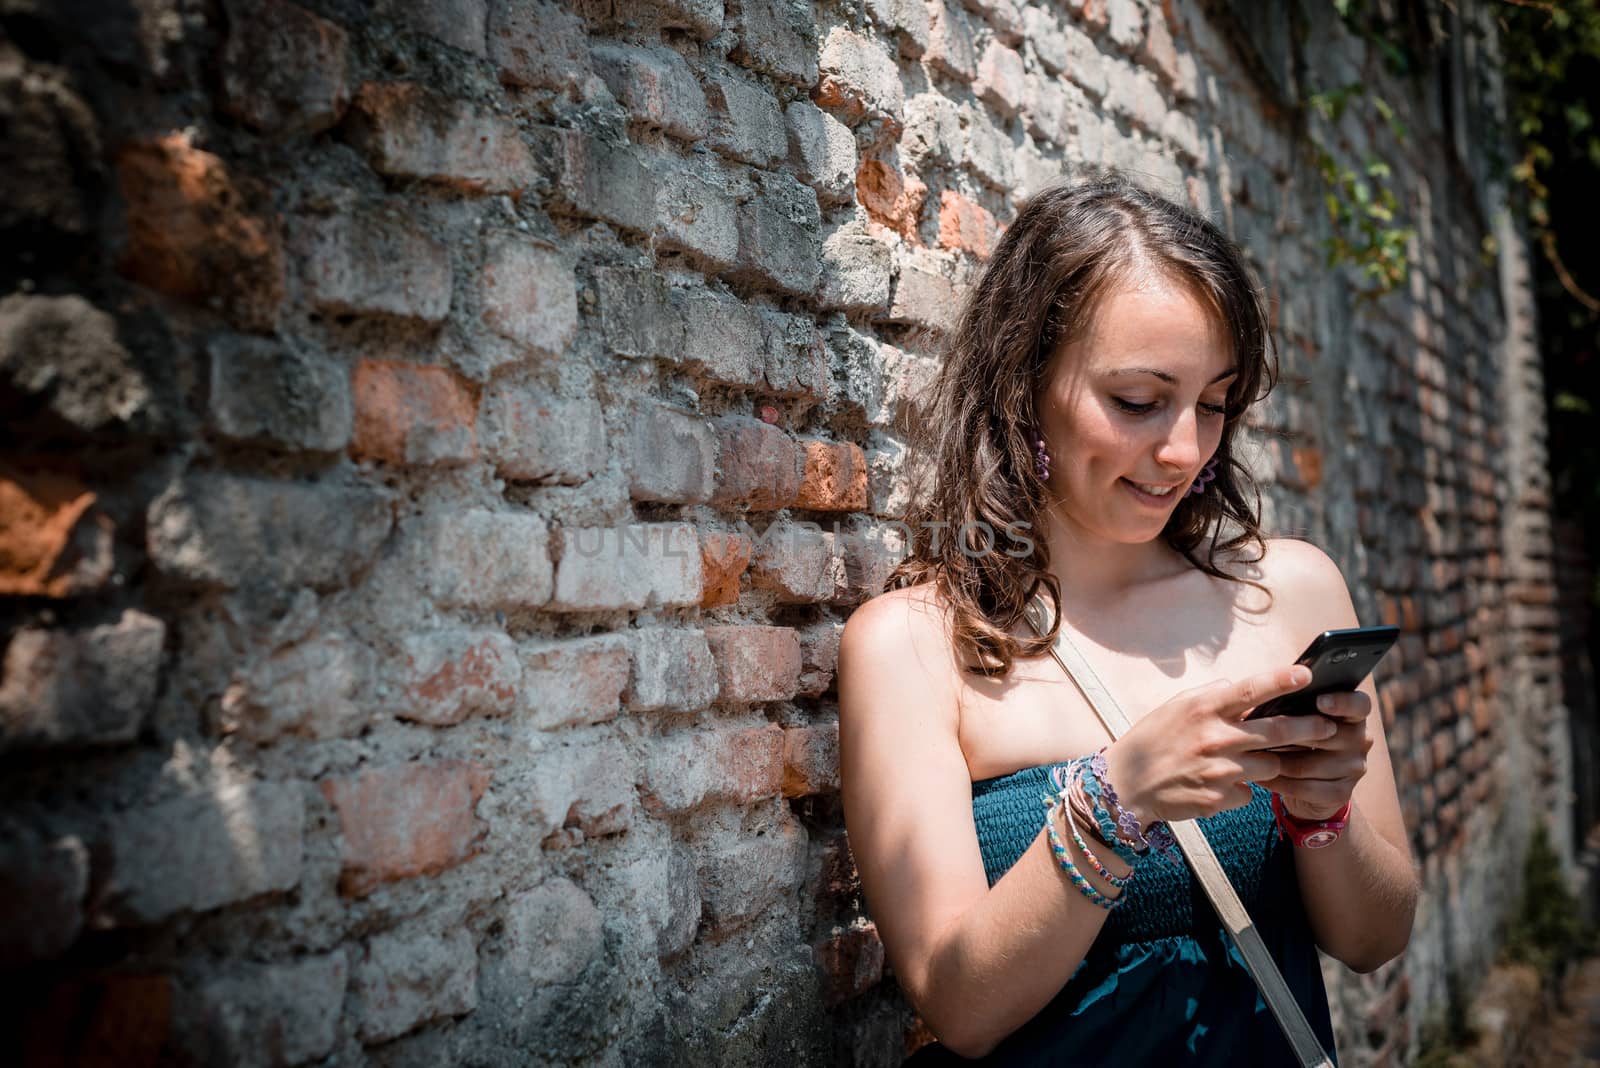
(445, 438)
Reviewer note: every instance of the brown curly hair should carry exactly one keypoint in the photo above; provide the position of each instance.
(972, 461)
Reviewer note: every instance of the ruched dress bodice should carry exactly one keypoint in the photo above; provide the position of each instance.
(1163, 982)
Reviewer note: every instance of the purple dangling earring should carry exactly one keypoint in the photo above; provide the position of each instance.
(1207, 475)
(1041, 460)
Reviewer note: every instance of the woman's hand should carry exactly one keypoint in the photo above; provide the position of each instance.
(1195, 755)
(1318, 782)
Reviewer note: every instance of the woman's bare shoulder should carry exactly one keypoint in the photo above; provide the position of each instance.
(1281, 578)
(900, 640)
(910, 619)
(1281, 564)
(1298, 567)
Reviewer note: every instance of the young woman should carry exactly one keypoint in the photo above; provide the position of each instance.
(1083, 450)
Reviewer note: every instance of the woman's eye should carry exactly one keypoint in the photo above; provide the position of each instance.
(1214, 409)
(1134, 407)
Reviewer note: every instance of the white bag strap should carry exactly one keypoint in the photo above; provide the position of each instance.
(1197, 850)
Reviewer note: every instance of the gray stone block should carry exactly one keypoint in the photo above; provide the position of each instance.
(746, 120)
(90, 686)
(273, 393)
(220, 530)
(205, 850)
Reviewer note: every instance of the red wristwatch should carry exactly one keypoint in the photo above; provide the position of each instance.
(1313, 834)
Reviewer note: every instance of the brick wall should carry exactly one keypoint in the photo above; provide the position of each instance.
(445, 439)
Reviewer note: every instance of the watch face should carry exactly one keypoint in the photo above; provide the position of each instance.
(1318, 839)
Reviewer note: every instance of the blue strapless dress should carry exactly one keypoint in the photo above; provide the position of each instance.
(1163, 982)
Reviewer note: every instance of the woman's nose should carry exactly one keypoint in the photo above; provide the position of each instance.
(1181, 446)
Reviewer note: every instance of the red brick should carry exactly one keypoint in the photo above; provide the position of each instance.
(1000, 79)
(819, 656)
(858, 79)
(447, 675)
(628, 567)
(574, 681)
(191, 236)
(756, 465)
(536, 44)
(1308, 467)
(311, 689)
(690, 768)
(723, 558)
(892, 199)
(964, 225)
(811, 760)
(755, 663)
(528, 294)
(409, 131)
(851, 962)
(835, 478)
(1157, 51)
(283, 69)
(673, 670)
(404, 821)
(795, 561)
(54, 542)
(371, 263)
(582, 788)
(950, 40)
(409, 414)
(475, 558)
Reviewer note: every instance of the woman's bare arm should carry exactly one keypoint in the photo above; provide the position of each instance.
(1360, 893)
(976, 962)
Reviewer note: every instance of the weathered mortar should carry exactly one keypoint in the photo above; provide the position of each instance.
(336, 338)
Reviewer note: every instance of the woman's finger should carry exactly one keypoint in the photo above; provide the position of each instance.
(1353, 707)
(1239, 698)
(1321, 766)
(1275, 731)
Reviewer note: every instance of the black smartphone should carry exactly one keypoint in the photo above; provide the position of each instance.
(1339, 660)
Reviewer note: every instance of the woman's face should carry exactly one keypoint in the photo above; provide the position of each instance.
(1132, 411)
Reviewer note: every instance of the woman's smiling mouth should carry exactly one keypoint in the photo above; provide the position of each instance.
(1150, 492)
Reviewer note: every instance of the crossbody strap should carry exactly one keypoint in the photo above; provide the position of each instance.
(1197, 851)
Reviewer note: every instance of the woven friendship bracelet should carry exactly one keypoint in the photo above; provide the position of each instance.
(1091, 786)
(1118, 881)
(1127, 822)
(1085, 887)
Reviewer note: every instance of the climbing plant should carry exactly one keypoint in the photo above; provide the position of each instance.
(1367, 229)
(1549, 53)
(1552, 70)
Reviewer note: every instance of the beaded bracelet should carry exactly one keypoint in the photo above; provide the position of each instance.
(1085, 887)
